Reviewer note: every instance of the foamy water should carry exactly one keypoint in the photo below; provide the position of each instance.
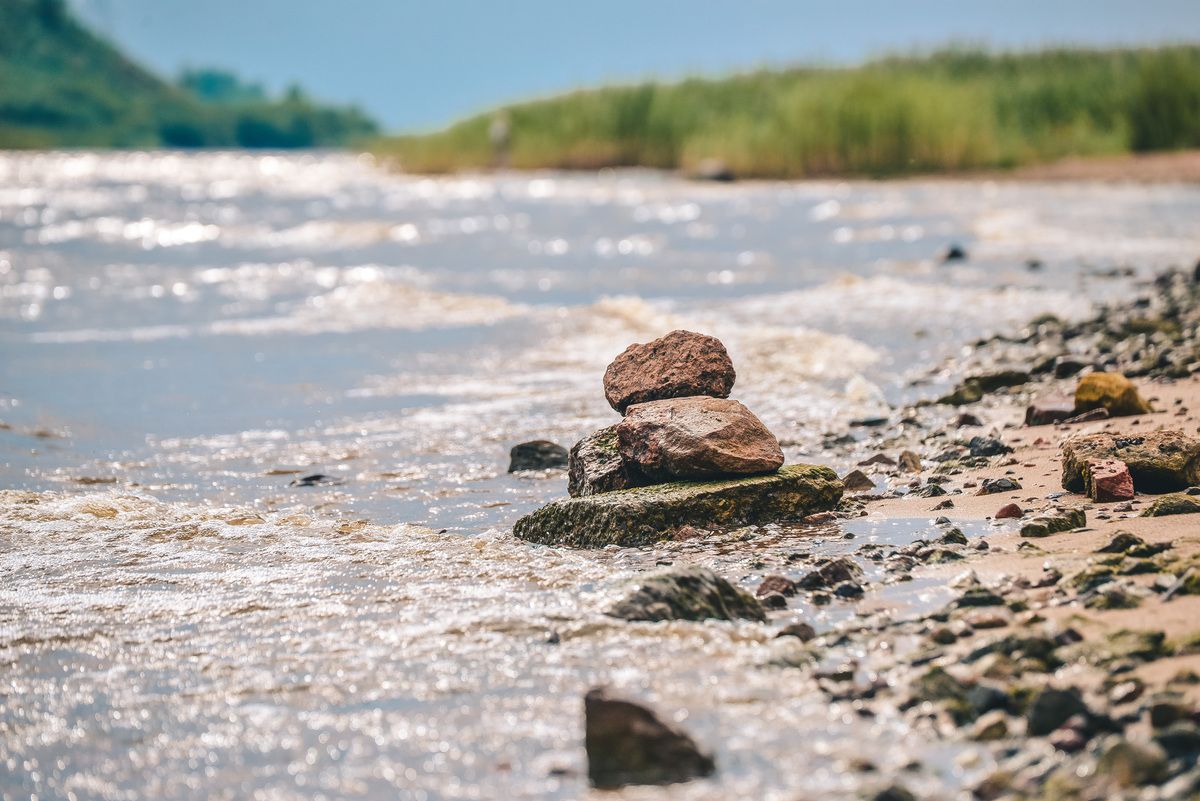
(182, 334)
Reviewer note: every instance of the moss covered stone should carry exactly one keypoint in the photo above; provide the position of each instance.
(649, 514)
(687, 593)
(1110, 391)
(1178, 504)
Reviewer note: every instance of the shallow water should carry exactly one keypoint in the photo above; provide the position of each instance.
(180, 333)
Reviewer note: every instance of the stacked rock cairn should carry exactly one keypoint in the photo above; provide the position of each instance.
(679, 423)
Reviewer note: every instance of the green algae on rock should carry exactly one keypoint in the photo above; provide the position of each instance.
(1054, 521)
(648, 514)
(1110, 391)
(1176, 504)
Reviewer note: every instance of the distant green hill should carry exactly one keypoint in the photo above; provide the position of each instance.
(62, 86)
(951, 110)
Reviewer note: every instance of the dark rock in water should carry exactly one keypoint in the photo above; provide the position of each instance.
(1045, 411)
(780, 584)
(687, 593)
(966, 419)
(894, 792)
(316, 480)
(595, 465)
(803, 631)
(1108, 480)
(953, 537)
(1177, 504)
(848, 589)
(696, 438)
(987, 446)
(910, 462)
(1110, 391)
(1053, 521)
(678, 365)
(712, 170)
(830, 573)
(991, 486)
(954, 252)
(626, 743)
(857, 481)
(1051, 708)
(773, 600)
(1158, 461)
(539, 454)
(649, 514)
(975, 387)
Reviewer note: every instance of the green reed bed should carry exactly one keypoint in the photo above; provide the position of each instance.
(950, 110)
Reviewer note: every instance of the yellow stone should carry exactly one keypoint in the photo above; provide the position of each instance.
(1111, 391)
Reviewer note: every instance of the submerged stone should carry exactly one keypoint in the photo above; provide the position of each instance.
(649, 514)
(539, 454)
(687, 593)
(1158, 461)
(627, 743)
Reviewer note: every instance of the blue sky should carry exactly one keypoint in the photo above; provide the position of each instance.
(421, 65)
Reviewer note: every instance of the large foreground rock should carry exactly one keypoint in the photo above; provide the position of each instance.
(537, 455)
(626, 743)
(687, 593)
(1159, 461)
(680, 364)
(648, 514)
(696, 438)
(595, 465)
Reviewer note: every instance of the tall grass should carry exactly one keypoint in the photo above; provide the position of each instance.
(951, 110)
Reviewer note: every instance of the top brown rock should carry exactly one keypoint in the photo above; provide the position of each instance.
(679, 365)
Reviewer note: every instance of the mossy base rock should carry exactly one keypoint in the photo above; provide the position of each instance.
(1177, 504)
(537, 455)
(595, 465)
(626, 743)
(678, 365)
(1110, 391)
(648, 514)
(1053, 521)
(1158, 461)
(687, 593)
(974, 388)
(696, 438)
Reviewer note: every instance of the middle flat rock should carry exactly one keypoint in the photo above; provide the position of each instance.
(649, 514)
(696, 438)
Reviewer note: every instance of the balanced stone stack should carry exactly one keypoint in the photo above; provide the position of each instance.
(684, 455)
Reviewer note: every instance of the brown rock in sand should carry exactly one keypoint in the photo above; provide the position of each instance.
(1009, 510)
(910, 462)
(678, 365)
(696, 438)
(857, 481)
(1109, 480)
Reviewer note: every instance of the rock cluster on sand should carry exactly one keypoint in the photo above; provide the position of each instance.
(1157, 461)
(634, 482)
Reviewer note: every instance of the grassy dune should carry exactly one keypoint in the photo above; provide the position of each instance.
(951, 110)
